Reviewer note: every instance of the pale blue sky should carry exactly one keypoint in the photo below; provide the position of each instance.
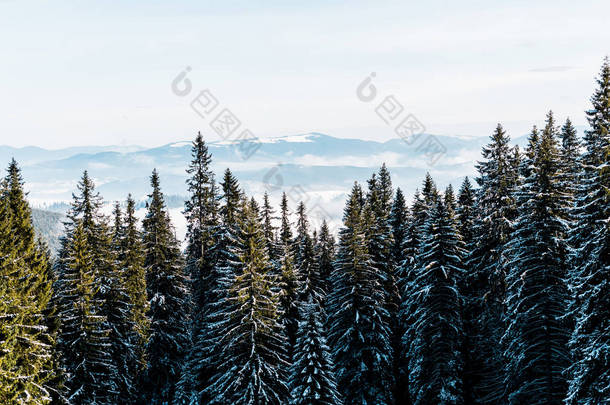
(83, 72)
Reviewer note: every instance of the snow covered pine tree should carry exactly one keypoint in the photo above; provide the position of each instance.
(590, 276)
(536, 294)
(168, 294)
(360, 330)
(433, 307)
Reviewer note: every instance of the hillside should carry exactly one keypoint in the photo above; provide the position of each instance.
(49, 226)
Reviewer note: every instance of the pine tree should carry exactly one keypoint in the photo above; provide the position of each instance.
(83, 338)
(325, 256)
(569, 154)
(256, 209)
(206, 356)
(449, 201)
(384, 189)
(410, 246)
(167, 293)
(285, 226)
(232, 198)
(399, 216)
(9, 306)
(27, 279)
(131, 262)
(406, 271)
(360, 330)
(269, 229)
(311, 373)
(302, 230)
(466, 213)
(289, 278)
(10, 300)
(589, 378)
(117, 308)
(429, 191)
(380, 242)
(537, 331)
(250, 334)
(312, 379)
(433, 314)
(201, 213)
(379, 199)
(307, 269)
(484, 284)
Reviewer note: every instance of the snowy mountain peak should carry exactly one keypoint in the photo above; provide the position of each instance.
(180, 144)
(298, 138)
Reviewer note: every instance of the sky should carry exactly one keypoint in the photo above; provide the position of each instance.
(78, 73)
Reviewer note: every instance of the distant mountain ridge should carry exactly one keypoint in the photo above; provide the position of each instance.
(51, 173)
(316, 168)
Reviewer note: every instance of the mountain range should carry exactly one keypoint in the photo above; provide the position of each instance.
(316, 168)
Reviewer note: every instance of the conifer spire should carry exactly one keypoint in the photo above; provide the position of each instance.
(167, 294)
(360, 330)
(589, 343)
(537, 331)
(250, 334)
(434, 333)
(27, 362)
(485, 278)
(84, 337)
